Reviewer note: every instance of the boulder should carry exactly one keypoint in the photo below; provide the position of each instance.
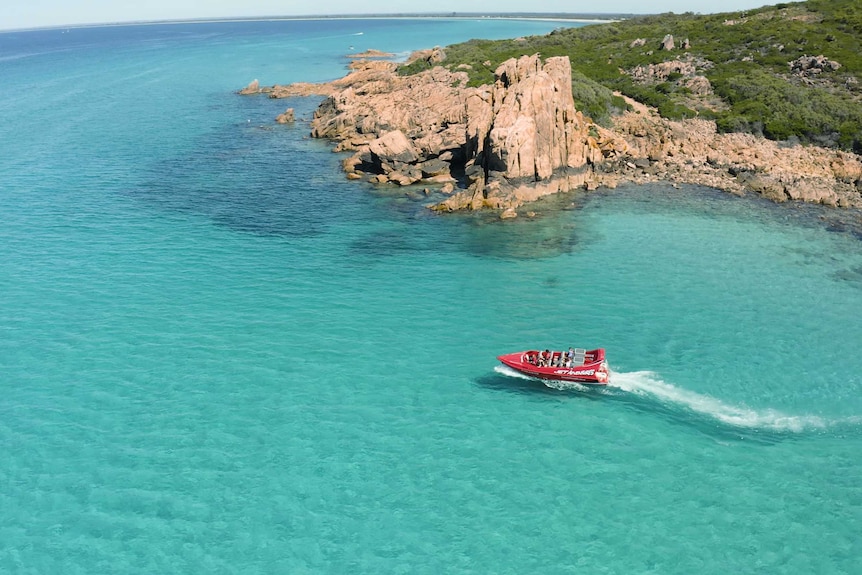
(439, 179)
(434, 167)
(349, 165)
(393, 146)
(432, 56)
(810, 190)
(667, 43)
(699, 85)
(766, 186)
(287, 117)
(403, 178)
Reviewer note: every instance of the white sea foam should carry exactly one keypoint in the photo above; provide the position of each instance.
(648, 383)
(565, 385)
(561, 385)
(509, 372)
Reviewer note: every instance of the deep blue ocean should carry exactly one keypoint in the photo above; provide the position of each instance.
(217, 355)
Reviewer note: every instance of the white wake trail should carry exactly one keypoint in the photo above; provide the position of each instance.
(648, 383)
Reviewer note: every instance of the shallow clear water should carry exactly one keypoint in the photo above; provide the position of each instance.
(217, 355)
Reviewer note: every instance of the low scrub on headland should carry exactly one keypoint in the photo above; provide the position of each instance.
(787, 72)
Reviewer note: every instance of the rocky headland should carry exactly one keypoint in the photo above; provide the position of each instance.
(503, 145)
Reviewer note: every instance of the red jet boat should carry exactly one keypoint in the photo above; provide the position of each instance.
(584, 366)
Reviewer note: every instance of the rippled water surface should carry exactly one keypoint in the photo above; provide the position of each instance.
(218, 356)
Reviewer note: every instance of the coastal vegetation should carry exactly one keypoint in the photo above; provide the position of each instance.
(788, 72)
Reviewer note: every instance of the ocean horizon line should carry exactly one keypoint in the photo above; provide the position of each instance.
(542, 16)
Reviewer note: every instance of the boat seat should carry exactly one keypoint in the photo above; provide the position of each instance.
(580, 354)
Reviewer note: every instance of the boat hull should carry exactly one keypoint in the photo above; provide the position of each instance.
(593, 371)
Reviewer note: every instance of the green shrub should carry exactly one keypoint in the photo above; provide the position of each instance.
(674, 111)
(749, 67)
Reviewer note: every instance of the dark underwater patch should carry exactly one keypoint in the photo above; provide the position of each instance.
(253, 176)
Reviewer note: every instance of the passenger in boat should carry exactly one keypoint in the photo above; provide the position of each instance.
(545, 358)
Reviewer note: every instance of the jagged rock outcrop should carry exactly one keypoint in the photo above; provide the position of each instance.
(687, 66)
(507, 144)
(427, 108)
(372, 53)
(813, 65)
(503, 145)
(431, 56)
(692, 151)
(252, 88)
(525, 139)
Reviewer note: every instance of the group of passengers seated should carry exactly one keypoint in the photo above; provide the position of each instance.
(548, 358)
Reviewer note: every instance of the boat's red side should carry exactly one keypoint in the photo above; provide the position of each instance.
(593, 370)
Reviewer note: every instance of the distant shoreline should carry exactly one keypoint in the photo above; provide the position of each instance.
(552, 17)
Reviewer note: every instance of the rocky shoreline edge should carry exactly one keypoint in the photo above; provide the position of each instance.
(505, 145)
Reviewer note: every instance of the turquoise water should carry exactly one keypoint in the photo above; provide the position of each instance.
(219, 356)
